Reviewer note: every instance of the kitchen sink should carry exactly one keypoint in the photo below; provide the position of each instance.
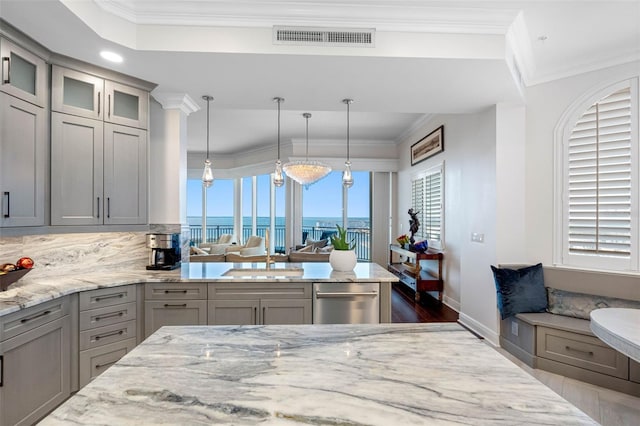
(264, 272)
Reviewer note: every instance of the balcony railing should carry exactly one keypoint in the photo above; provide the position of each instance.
(361, 237)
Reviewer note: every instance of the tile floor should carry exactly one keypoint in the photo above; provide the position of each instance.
(608, 407)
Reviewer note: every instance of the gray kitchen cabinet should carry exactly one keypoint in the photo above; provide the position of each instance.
(251, 303)
(108, 329)
(22, 162)
(125, 175)
(98, 172)
(174, 304)
(76, 170)
(24, 74)
(86, 95)
(35, 362)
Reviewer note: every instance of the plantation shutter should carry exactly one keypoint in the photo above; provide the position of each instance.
(599, 179)
(426, 195)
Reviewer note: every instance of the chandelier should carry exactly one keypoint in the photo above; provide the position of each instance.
(306, 172)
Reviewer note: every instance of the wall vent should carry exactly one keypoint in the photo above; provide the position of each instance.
(314, 36)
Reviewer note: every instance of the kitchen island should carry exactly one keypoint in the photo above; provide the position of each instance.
(387, 374)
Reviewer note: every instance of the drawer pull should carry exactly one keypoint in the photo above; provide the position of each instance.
(175, 291)
(105, 365)
(570, 349)
(43, 314)
(170, 305)
(117, 314)
(110, 296)
(1, 370)
(115, 333)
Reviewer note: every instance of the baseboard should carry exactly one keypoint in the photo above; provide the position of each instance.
(473, 325)
(518, 352)
(452, 303)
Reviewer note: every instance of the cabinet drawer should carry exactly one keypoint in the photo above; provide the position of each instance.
(634, 371)
(27, 319)
(94, 362)
(108, 334)
(238, 291)
(107, 297)
(175, 291)
(581, 351)
(108, 315)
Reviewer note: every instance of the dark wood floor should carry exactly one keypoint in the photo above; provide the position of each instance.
(405, 309)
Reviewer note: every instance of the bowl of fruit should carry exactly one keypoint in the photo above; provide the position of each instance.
(12, 272)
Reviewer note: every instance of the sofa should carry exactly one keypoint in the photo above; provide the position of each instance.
(560, 339)
(237, 257)
(253, 246)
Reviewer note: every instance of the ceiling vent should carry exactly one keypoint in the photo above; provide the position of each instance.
(314, 36)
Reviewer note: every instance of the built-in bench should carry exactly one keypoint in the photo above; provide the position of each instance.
(566, 345)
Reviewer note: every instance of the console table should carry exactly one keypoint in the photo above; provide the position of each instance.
(419, 271)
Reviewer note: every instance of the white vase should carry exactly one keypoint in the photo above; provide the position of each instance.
(343, 260)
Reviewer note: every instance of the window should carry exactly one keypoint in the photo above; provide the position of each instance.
(219, 209)
(427, 190)
(600, 183)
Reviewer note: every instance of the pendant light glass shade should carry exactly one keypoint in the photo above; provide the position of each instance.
(347, 177)
(278, 177)
(207, 173)
(306, 172)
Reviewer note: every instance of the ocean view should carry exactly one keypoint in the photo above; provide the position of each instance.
(263, 221)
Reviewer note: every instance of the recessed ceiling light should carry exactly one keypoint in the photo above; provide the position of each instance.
(111, 56)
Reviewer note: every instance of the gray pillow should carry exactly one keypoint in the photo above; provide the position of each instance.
(580, 305)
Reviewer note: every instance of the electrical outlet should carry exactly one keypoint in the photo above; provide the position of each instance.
(514, 328)
(477, 237)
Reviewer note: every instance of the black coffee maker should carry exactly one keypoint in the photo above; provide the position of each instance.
(165, 251)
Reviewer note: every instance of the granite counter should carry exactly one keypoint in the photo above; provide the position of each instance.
(42, 285)
(388, 374)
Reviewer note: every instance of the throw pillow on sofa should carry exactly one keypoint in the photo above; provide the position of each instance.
(520, 290)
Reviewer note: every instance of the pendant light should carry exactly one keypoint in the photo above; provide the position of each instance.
(306, 172)
(278, 177)
(207, 174)
(347, 177)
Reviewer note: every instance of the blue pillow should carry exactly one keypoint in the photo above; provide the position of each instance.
(520, 290)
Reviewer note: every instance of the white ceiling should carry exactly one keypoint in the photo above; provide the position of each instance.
(430, 57)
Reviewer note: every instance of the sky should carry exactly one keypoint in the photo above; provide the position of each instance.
(321, 199)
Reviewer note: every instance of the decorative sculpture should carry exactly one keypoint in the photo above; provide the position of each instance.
(414, 224)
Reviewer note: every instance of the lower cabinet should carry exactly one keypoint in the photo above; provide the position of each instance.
(259, 304)
(35, 362)
(108, 329)
(174, 304)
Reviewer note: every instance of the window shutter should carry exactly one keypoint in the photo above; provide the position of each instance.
(426, 196)
(599, 179)
(417, 198)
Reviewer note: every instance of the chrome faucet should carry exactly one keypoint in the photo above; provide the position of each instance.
(266, 246)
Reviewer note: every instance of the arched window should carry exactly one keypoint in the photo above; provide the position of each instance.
(599, 195)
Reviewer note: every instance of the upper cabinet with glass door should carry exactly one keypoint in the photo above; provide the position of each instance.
(24, 74)
(85, 95)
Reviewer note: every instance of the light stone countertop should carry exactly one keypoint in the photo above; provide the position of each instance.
(388, 374)
(618, 328)
(41, 285)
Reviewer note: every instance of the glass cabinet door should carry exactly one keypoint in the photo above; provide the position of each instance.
(126, 105)
(77, 93)
(23, 74)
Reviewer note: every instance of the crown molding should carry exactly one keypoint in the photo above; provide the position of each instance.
(181, 101)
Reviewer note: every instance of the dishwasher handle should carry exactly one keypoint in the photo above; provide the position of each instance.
(346, 294)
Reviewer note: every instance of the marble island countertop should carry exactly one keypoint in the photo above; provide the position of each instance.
(42, 285)
(388, 374)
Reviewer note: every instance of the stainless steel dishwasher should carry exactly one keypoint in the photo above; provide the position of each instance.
(346, 303)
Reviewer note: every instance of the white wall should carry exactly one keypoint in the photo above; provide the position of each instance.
(470, 206)
(546, 103)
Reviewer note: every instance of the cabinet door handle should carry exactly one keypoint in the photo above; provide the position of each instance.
(569, 348)
(175, 291)
(109, 296)
(346, 294)
(8, 195)
(170, 305)
(98, 207)
(105, 364)
(255, 315)
(1, 370)
(98, 104)
(43, 314)
(108, 207)
(103, 317)
(264, 314)
(109, 105)
(102, 336)
(6, 61)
